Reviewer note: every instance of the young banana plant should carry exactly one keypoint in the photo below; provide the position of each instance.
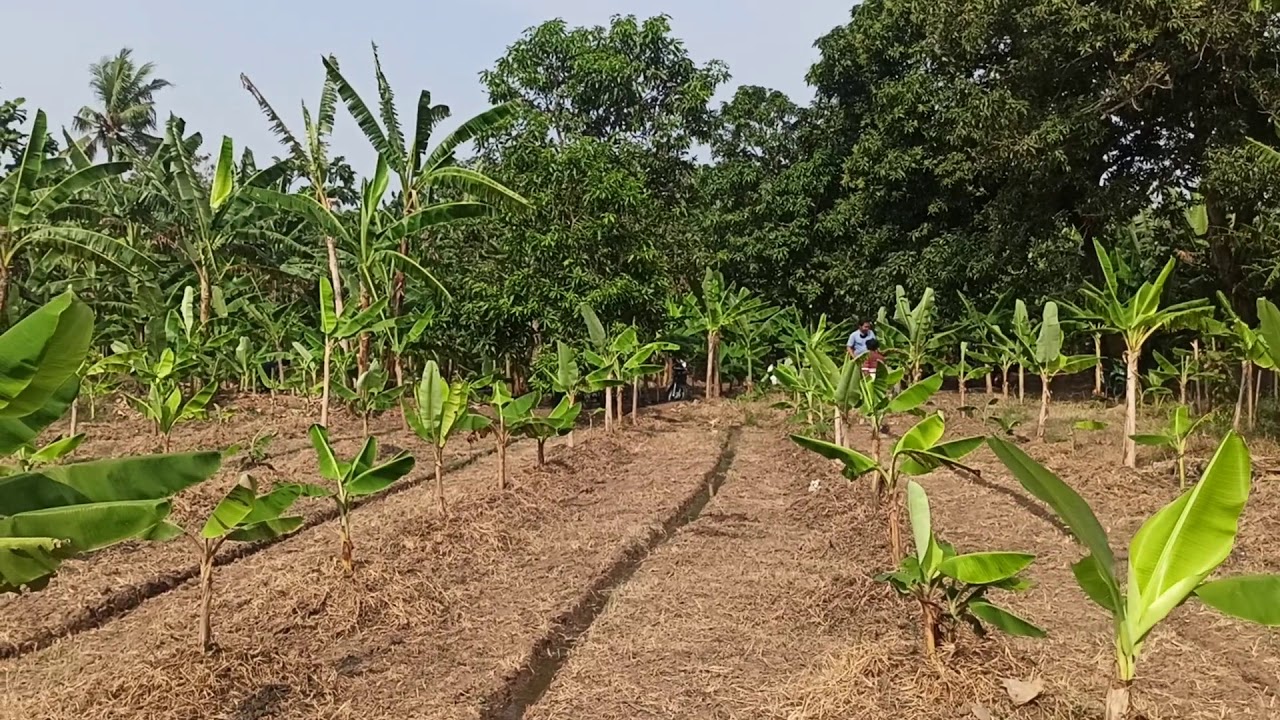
(1170, 558)
(966, 369)
(1043, 353)
(164, 404)
(440, 410)
(919, 451)
(370, 393)
(337, 327)
(241, 516)
(509, 417)
(952, 589)
(541, 428)
(875, 403)
(354, 479)
(1175, 438)
(31, 456)
(915, 324)
(567, 378)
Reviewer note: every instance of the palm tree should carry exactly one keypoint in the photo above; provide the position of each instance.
(125, 91)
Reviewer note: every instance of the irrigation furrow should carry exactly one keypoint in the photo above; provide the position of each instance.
(125, 600)
(524, 688)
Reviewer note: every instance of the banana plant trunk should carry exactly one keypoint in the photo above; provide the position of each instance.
(344, 530)
(1131, 358)
(1244, 389)
(1044, 406)
(572, 401)
(206, 296)
(1197, 389)
(635, 401)
(1097, 367)
(75, 416)
(542, 454)
(713, 380)
(502, 454)
(838, 425)
(1022, 382)
(324, 383)
(1117, 706)
(1004, 383)
(439, 458)
(928, 627)
(362, 357)
(895, 528)
(209, 548)
(991, 388)
(4, 294)
(1257, 397)
(608, 409)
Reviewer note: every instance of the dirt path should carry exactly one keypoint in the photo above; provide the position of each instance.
(764, 608)
(438, 621)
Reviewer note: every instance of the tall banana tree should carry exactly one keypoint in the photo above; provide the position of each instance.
(214, 215)
(310, 156)
(375, 241)
(32, 217)
(422, 172)
(1135, 318)
(721, 308)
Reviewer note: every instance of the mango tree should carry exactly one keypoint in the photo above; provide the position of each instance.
(440, 409)
(1136, 319)
(1170, 558)
(53, 513)
(353, 479)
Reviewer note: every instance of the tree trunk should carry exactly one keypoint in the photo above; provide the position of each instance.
(502, 458)
(1244, 389)
(1097, 365)
(348, 548)
(440, 504)
(1131, 358)
(711, 364)
(324, 383)
(206, 596)
(4, 295)
(206, 297)
(1044, 406)
(1118, 701)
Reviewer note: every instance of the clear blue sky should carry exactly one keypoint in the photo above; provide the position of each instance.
(203, 47)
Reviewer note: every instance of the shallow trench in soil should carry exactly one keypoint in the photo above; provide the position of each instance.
(439, 619)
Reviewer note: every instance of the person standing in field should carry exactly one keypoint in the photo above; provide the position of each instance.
(858, 340)
(872, 358)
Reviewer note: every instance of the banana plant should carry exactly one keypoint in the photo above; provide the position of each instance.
(977, 324)
(241, 516)
(1175, 438)
(425, 173)
(99, 375)
(541, 428)
(966, 370)
(1171, 557)
(634, 365)
(805, 385)
(353, 479)
(441, 409)
(875, 402)
(1254, 352)
(370, 393)
(748, 340)
(718, 310)
(1042, 352)
(53, 513)
(337, 327)
(31, 215)
(510, 414)
(951, 589)
(31, 457)
(604, 359)
(567, 378)
(165, 404)
(919, 451)
(1136, 319)
(915, 325)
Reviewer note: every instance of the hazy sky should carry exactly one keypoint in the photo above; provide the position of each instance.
(203, 47)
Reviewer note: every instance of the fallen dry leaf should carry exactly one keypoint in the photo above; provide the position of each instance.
(1022, 692)
(981, 713)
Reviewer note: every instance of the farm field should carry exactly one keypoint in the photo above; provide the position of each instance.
(763, 605)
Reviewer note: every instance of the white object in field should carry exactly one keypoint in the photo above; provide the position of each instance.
(813, 485)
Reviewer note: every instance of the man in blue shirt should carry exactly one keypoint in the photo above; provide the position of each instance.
(858, 340)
